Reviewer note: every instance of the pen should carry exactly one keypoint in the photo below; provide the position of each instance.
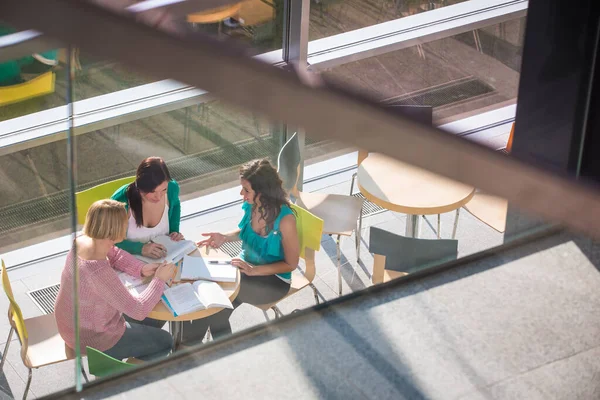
(219, 262)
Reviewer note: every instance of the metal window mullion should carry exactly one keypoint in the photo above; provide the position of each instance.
(295, 54)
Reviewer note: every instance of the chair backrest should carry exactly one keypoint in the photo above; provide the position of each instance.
(288, 164)
(86, 198)
(408, 255)
(15, 316)
(101, 364)
(38, 86)
(310, 230)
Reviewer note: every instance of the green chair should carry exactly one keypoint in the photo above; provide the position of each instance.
(101, 365)
(86, 198)
(310, 229)
(395, 256)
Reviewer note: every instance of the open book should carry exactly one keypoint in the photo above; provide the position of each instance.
(175, 250)
(135, 285)
(207, 268)
(189, 297)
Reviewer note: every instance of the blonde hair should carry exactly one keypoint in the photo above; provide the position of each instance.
(106, 219)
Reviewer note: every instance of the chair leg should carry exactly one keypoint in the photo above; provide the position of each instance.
(277, 311)
(358, 237)
(455, 223)
(10, 333)
(339, 264)
(439, 226)
(352, 183)
(316, 293)
(84, 374)
(28, 384)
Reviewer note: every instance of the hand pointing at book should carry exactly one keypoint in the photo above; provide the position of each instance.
(215, 240)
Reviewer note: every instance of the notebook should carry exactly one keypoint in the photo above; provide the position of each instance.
(135, 285)
(188, 297)
(208, 268)
(175, 250)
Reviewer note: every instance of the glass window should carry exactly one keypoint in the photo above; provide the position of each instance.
(458, 76)
(331, 17)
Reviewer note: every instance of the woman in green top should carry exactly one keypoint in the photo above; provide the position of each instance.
(152, 201)
(270, 246)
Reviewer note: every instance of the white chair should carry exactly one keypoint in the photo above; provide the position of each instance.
(341, 214)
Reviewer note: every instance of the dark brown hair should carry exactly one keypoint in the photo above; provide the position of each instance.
(150, 173)
(265, 181)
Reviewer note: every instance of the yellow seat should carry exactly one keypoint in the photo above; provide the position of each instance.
(41, 344)
(39, 86)
(86, 198)
(310, 229)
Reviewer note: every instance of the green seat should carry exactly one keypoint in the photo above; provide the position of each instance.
(101, 364)
(86, 198)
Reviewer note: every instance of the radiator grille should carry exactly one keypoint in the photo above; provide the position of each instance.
(44, 298)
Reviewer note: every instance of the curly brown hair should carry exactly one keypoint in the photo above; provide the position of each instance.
(265, 181)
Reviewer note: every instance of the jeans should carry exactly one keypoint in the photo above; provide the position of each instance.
(255, 290)
(143, 342)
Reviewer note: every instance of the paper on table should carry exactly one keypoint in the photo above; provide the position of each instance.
(194, 268)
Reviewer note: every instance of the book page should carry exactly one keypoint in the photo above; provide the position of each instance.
(175, 250)
(135, 285)
(212, 295)
(183, 299)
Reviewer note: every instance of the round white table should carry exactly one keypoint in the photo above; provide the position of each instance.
(162, 313)
(403, 188)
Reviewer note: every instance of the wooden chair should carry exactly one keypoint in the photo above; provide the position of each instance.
(86, 198)
(340, 213)
(396, 256)
(41, 343)
(216, 15)
(100, 364)
(310, 229)
(491, 210)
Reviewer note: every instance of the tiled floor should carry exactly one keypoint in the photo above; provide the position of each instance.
(473, 236)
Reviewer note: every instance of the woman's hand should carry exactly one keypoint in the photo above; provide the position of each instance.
(245, 268)
(214, 240)
(176, 236)
(165, 272)
(154, 250)
(149, 269)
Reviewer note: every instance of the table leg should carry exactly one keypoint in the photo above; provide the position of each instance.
(413, 223)
(176, 328)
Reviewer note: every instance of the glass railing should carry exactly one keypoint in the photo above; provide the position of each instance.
(370, 219)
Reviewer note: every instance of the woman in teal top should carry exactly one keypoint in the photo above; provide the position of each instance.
(153, 206)
(270, 246)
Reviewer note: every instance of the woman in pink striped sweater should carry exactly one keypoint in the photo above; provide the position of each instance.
(103, 299)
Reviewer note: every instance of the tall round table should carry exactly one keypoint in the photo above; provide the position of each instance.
(403, 188)
(162, 313)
